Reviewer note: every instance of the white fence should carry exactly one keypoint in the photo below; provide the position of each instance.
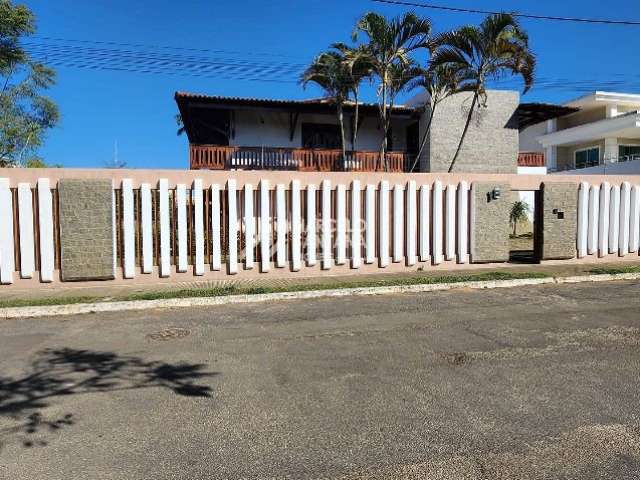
(223, 227)
(608, 219)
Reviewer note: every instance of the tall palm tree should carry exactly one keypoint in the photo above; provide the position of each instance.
(439, 82)
(497, 47)
(390, 43)
(329, 71)
(358, 63)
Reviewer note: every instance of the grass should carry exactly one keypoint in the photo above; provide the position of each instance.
(227, 290)
(615, 270)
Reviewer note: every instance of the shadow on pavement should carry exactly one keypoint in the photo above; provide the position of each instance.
(59, 372)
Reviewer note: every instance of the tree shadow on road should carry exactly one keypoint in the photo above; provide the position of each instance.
(56, 373)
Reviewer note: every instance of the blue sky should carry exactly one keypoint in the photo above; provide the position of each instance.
(100, 107)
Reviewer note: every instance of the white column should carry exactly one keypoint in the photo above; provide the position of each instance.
(326, 225)
(165, 234)
(249, 227)
(634, 225)
(437, 223)
(146, 228)
(592, 240)
(181, 207)
(412, 218)
(603, 230)
(198, 226)
(384, 224)
(216, 247)
(370, 221)
(614, 218)
(311, 225)
(450, 222)
(45, 230)
(463, 222)
(356, 242)
(128, 230)
(296, 226)
(265, 227)
(425, 222)
(625, 207)
(610, 150)
(232, 223)
(25, 216)
(7, 262)
(341, 225)
(583, 219)
(551, 153)
(398, 222)
(281, 226)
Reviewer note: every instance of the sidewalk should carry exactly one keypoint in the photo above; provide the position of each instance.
(109, 292)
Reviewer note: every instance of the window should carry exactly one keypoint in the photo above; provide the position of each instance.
(320, 135)
(587, 157)
(628, 152)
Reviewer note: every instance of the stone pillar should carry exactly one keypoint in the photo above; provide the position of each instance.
(490, 222)
(558, 220)
(86, 229)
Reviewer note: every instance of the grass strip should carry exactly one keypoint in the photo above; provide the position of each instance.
(615, 270)
(232, 289)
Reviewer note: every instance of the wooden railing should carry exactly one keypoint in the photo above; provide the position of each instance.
(215, 157)
(531, 159)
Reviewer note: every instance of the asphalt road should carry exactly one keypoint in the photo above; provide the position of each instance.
(535, 383)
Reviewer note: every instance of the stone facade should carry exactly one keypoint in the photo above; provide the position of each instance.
(86, 229)
(558, 221)
(491, 143)
(490, 222)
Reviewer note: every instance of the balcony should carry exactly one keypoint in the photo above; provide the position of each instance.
(531, 159)
(215, 157)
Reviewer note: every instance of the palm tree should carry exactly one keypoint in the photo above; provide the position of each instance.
(329, 71)
(497, 47)
(439, 82)
(358, 64)
(390, 43)
(519, 213)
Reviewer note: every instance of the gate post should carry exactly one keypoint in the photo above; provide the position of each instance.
(558, 218)
(490, 222)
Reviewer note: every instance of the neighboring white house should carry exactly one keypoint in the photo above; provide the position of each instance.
(601, 136)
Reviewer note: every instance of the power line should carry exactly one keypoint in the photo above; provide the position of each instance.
(523, 15)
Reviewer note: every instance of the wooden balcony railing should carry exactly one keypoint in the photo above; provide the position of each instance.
(531, 159)
(214, 157)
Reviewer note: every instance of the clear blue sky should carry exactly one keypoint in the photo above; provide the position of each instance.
(99, 107)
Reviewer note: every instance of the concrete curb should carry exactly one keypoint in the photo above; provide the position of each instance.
(80, 308)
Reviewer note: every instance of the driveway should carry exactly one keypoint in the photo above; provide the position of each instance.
(539, 382)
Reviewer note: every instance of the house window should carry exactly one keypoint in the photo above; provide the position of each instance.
(320, 135)
(587, 157)
(628, 152)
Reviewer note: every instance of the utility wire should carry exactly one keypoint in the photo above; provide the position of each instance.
(523, 15)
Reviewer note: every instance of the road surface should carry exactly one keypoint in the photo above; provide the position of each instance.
(535, 382)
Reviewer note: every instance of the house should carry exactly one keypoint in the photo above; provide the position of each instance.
(601, 134)
(254, 133)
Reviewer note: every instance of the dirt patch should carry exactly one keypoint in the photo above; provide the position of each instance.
(171, 333)
(454, 358)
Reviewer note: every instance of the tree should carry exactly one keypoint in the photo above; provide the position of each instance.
(439, 83)
(358, 65)
(390, 43)
(330, 71)
(497, 47)
(25, 114)
(519, 213)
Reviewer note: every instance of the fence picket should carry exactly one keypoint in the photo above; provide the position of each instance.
(383, 224)
(216, 242)
(249, 227)
(281, 226)
(198, 226)
(411, 220)
(146, 218)
(232, 227)
(425, 222)
(370, 221)
(265, 227)
(326, 225)
(437, 223)
(311, 226)
(594, 202)
(45, 230)
(356, 231)
(625, 207)
(603, 224)
(7, 261)
(463, 222)
(296, 226)
(634, 225)
(25, 215)
(450, 222)
(614, 218)
(128, 230)
(341, 225)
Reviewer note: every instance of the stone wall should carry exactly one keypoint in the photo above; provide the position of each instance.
(490, 222)
(491, 143)
(559, 218)
(86, 229)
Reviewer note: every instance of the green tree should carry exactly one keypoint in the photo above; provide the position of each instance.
(519, 213)
(25, 114)
(497, 47)
(390, 43)
(330, 71)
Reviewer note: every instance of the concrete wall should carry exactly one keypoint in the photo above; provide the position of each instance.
(559, 220)
(582, 117)
(527, 138)
(491, 144)
(490, 222)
